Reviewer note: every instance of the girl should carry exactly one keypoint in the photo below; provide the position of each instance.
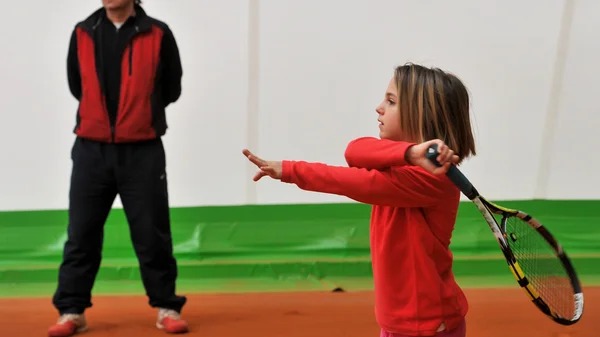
(414, 203)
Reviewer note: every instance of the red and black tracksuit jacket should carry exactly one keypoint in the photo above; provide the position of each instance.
(124, 79)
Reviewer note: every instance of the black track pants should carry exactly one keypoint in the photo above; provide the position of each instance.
(136, 172)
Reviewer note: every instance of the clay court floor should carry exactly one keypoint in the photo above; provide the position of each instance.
(493, 313)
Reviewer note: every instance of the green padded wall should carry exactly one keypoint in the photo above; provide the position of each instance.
(282, 242)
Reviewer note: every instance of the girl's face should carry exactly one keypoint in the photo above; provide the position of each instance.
(389, 114)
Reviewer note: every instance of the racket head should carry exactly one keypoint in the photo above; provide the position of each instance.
(539, 264)
(566, 309)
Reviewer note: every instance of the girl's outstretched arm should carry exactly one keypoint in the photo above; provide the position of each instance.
(420, 185)
(397, 186)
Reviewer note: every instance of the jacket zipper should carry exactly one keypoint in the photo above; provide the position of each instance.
(113, 126)
(130, 58)
(137, 30)
(110, 122)
(101, 74)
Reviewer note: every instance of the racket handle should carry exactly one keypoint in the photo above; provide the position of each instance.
(454, 174)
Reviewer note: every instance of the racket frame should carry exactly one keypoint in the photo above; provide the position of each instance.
(487, 210)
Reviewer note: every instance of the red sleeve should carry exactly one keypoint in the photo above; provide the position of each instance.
(375, 153)
(408, 186)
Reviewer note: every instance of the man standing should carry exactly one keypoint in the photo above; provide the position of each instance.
(124, 68)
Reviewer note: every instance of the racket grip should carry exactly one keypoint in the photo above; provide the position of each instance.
(454, 174)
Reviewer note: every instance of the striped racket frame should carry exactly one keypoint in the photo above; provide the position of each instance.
(487, 209)
(499, 230)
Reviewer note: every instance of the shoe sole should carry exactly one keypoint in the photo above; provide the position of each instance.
(77, 331)
(162, 327)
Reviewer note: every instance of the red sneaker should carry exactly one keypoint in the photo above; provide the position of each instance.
(68, 325)
(170, 321)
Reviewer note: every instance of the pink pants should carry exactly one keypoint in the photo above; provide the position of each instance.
(460, 331)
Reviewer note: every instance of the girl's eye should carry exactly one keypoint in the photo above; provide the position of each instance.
(390, 101)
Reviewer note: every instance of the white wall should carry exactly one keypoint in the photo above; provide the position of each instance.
(298, 80)
(573, 166)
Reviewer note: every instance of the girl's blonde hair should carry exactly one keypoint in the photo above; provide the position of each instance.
(434, 105)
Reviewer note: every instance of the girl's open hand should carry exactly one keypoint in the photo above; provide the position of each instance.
(266, 168)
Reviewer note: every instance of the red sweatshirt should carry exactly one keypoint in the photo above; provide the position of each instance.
(412, 220)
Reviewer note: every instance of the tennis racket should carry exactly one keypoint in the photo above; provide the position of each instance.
(538, 262)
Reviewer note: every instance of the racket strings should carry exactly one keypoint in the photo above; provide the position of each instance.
(541, 266)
